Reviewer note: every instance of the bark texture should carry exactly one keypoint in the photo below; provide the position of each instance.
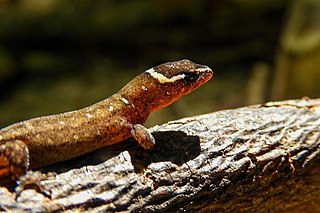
(262, 158)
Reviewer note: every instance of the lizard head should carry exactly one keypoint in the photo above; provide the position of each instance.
(175, 79)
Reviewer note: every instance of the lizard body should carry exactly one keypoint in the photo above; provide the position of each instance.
(49, 139)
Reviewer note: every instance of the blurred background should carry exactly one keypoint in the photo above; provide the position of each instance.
(57, 56)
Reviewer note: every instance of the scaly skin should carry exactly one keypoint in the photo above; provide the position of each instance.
(49, 139)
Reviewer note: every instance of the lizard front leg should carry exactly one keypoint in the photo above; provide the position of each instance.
(127, 129)
(143, 136)
(14, 158)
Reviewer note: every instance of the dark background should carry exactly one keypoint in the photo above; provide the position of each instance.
(61, 55)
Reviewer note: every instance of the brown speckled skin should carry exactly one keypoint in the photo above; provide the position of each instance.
(55, 138)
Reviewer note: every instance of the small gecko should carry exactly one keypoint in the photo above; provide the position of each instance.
(50, 139)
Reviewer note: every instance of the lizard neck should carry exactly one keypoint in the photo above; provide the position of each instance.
(137, 99)
(144, 94)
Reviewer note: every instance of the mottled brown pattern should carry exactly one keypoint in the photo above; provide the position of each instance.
(56, 138)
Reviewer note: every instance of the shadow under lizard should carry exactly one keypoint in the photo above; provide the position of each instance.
(49, 139)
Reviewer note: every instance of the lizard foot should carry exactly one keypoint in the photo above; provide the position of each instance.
(14, 159)
(143, 136)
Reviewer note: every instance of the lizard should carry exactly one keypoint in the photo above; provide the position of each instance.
(45, 140)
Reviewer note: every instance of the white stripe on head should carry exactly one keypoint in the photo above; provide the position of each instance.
(203, 69)
(163, 79)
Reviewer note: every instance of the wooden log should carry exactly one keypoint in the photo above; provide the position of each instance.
(253, 159)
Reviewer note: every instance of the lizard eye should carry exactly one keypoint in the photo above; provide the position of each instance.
(190, 76)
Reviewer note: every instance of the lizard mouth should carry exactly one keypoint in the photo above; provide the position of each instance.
(205, 74)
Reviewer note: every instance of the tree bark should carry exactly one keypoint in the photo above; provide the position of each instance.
(262, 158)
